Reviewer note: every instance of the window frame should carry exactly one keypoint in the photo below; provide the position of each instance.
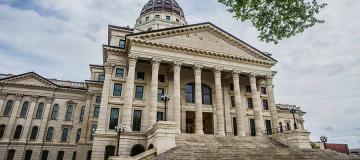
(136, 127)
(161, 78)
(40, 110)
(8, 108)
(203, 87)
(33, 134)
(69, 113)
(263, 90)
(2, 130)
(142, 77)
(248, 88)
(138, 93)
(160, 94)
(232, 101)
(65, 137)
(49, 137)
(96, 111)
(168, 18)
(98, 99)
(78, 135)
(250, 104)
(119, 75)
(114, 121)
(54, 113)
(122, 43)
(266, 108)
(24, 109)
(17, 133)
(82, 114)
(117, 92)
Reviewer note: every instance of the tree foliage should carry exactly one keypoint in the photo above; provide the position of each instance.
(276, 19)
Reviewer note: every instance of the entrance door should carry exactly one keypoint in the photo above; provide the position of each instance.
(109, 151)
(190, 121)
(268, 127)
(208, 123)
(252, 127)
(235, 126)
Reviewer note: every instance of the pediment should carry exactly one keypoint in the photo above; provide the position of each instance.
(31, 79)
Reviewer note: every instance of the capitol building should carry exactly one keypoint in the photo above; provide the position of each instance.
(168, 83)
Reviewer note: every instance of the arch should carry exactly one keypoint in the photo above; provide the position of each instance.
(137, 149)
(69, 112)
(24, 109)
(109, 151)
(206, 93)
(34, 133)
(151, 146)
(39, 111)
(54, 112)
(49, 134)
(8, 108)
(2, 130)
(17, 132)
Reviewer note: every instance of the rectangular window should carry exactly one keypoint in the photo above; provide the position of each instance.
(232, 101)
(248, 88)
(252, 127)
(161, 78)
(44, 155)
(137, 120)
(161, 91)
(60, 155)
(122, 44)
(140, 75)
(268, 127)
(265, 104)
(159, 116)
(98, 99)
(119, 72)
(28, 154)
(234, 126)
(250, 103)
(114, 118)
(93, 128)
(101, 78)
(157, 16)
(139, 92)
(168, 18)
(96, 111)
(263, 90)
(117, 89)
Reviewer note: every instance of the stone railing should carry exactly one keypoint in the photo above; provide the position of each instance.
(162, 136)
(294, 138)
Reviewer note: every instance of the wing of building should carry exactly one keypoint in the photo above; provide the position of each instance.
(216, 84)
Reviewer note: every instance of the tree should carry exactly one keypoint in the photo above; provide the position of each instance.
(276, 19)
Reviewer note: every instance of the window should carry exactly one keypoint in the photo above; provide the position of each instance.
(161, 78)
(157, 16)
(69, 112)
(147, 19)
(96, 111)
(82, 112)
(2, 130)
(159, 116)
(78, 134)
(11, 154)
(231, 86)
(74, 156)
(34, 133)
(137, 120)
(44, 155)
(40, 110)
(55, 112)
(161, 91)
(263, 90)
(93, 128)
(248, 88)
(268, 127)
(24, 109)
(88, 156)
(232, 101)
(206, 91)
(65, 134)
(117, 89)
(234, 126)
(114, 118)
(250, 103)
(190, 94)
(265, 104)
(17, 132)
(177, 20)
(119, 72)
(28, 154)
(101, 78)
(168, 18)
(60, 155)
(140, 75)
(139, 92)
(98, 99)
(8, 108)
(49, 134)
(122, 43)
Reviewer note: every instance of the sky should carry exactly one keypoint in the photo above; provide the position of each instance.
(318, 70)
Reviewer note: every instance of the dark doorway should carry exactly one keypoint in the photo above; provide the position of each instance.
(268, 127)
(190, 121)
(151, 146)
(208, 123)
(109, 151)
(11, 154)
(137, 120)
(28, 154)
(235, 126)
(252, 127)
(137, 149)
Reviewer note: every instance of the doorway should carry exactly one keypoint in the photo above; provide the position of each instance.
(208, 123)
(190, 122)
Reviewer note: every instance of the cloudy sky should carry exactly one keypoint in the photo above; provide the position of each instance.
(319, 70)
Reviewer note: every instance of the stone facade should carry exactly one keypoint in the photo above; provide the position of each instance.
(217, 84)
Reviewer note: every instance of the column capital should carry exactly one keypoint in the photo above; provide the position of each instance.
(49, 100)
(177, 65)
(177, 62)
(156, 63)
(18, 96)
(268, 79)
(34, 98)
(217, 71)
(253, 74)
(132, 59)
(198, 66)
(3, 95)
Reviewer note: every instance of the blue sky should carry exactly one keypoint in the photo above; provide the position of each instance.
(318, 70)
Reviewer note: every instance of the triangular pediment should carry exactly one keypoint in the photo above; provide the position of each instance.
(207, 37)
(30, 78)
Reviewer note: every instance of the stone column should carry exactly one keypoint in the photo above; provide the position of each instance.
(44, 122)
(129, 93)
(177, 98)
(2, 99)
(154, 91)
(219, 102)
(29, 117)
(273, 110)
(240, 110)
(105, 99)
(258, 111)
(84, 125)
(198, 100)
(13, 115)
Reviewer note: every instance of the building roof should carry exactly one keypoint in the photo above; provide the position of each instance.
(162, 5)
(285, 107)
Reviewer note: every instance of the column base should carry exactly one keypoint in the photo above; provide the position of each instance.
(221, 133)
(177, 130)
(199, 132)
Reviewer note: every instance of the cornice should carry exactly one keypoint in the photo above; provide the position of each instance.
(42, 87)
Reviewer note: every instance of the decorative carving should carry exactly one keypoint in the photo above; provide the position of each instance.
(18, 96)
(217, 71)
(109, 68)
(132, 59)
(156, 63)
(3, 95)
(197, 69)
(177, 65)
(236, 73)
(269, 78)
(49, 100)
(253, 75)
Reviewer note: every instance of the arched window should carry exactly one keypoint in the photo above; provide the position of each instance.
(65, 134)
(55, 112)
(24, 109)
(34, 133)
(39, 111)
(78, 134)
(82, 112)
(2, 130)
(190, 93)
(69, 112)
(109, 151)
(206, 95)
(8, 108)
(49, 134)
(137, 149)
(17, 132)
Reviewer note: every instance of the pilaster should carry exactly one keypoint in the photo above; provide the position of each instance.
(198, 100)
(14, 113)
(2, 99)
(84, 124)
(154, 91)
(45, 120)
(219, 102)
(176, 96)
(29, 117)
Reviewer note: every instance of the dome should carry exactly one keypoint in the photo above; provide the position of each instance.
(162, 5)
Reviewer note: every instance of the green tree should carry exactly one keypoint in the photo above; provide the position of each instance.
(276, 19)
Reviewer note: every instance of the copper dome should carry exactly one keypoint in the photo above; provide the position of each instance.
(162, 5)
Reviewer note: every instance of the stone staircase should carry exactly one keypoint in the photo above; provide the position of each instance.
(212, 147)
